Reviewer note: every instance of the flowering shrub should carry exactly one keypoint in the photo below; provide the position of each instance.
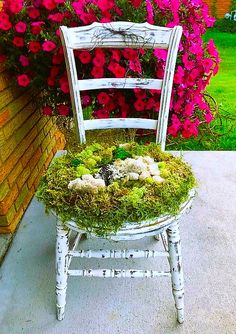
(31, 48)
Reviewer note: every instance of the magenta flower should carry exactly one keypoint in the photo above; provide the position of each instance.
(48, 46)
(23, 80)
(24, 60)
(20, 27)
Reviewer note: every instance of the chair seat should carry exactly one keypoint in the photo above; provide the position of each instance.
(134, 230)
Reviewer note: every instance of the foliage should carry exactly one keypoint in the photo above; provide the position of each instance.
(105, 209)
(32, 50)
(221, 134)
(225, 25)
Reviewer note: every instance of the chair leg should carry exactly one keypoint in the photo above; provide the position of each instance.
(175, 260)
(62, 248)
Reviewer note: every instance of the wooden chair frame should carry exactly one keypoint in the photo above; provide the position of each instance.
(111, 35)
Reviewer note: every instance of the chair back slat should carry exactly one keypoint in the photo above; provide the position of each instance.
(120, 123)
(119, 83)
(121, 35)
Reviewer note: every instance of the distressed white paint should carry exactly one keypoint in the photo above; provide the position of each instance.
(120, 123)
(62, 249)
(117, 253)
(118, 273)
(119, 35)
(111, 35)
(119, 83)
(175, 260)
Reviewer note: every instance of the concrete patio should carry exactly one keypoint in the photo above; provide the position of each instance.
(141, 306)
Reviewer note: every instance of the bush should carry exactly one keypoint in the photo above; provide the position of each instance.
(225, 25)
(32, 51)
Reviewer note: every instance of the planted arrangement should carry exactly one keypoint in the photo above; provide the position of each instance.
(101, 187)
(32, 50)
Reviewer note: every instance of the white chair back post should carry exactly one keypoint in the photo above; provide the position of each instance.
(121, 35)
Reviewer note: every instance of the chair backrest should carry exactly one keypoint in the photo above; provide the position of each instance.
(121, 35)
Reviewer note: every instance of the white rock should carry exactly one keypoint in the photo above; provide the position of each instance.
(157, 178)
(148, 160)
(73, 183)
(133, 176)
(88, 177)
(144, 175)
(99, 183)
(153, 169)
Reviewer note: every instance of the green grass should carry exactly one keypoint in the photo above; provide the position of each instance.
(223, 89)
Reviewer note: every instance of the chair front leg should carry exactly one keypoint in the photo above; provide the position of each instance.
(175, 260)
(62, 248)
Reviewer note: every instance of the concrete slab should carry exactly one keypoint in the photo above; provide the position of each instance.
(141, 306)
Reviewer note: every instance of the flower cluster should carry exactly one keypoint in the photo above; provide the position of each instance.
(31, 48)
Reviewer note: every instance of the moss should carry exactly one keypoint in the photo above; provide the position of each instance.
(105, 210)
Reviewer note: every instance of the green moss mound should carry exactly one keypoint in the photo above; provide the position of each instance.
(105, 210)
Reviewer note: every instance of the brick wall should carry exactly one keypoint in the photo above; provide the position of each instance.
(219, 7)
(28, 142)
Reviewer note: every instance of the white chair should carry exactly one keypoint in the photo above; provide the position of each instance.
(111, 35)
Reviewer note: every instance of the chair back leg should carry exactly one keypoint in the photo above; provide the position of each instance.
(62, 249)
(175, 260)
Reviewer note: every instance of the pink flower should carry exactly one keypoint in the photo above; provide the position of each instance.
(86, 100)
(130, 54)
(179, 74)
(208, 117)
(103, 98)
(18, 41)
(15, 6)
(160, 54)
(5, 23)
(115, 54)
(208, 64)
(21, 27)
(63, 110)
(84, 57)
(36, 27)
(136, 3)
(48, 46)
(105, 4)
(64, 85)
(57, 59)
(135, 66)
(101, 113)
(97, 72)
(139, 105)
(189, 129)
(117, 70)
(47, 110)
(150, 14)
(23, 80)
(56, 17)
(34, 46)
(33, 12)
(24, 60)
(49, 4)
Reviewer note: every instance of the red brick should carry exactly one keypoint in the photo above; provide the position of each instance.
(15, 173)
(5, 80)
(8, 200)
(23, 177)
(4, 117)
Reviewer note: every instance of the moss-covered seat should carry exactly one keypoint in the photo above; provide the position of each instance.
(102, 189)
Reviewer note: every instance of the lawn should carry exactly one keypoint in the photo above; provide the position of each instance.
(223, 89)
